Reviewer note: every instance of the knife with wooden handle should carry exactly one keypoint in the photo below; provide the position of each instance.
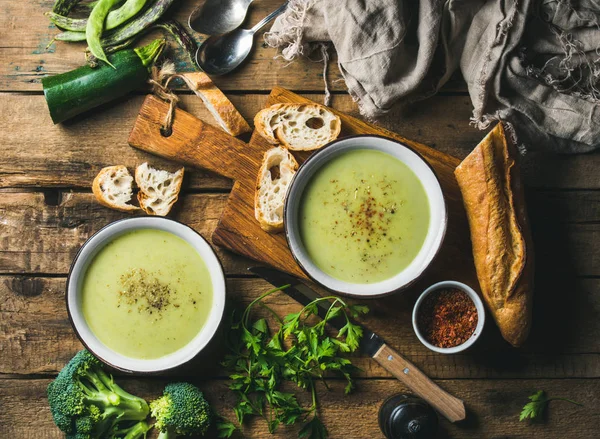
(372, 345)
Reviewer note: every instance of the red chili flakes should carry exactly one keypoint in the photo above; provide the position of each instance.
(447, 318)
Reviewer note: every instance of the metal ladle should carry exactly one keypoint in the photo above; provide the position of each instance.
(216, 17)
(219, 55)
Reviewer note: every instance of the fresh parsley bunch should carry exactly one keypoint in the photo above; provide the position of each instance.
(296, 351)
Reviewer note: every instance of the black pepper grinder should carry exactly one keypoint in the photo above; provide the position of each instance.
(405, 416)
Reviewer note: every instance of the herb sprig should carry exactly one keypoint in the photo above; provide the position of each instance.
(538, 403)
(298, 351)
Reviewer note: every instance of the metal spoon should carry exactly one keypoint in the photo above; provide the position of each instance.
(219, 55)
(216, 17)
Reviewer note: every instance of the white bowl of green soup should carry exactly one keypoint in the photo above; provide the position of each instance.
(146, 294)
(365, 216)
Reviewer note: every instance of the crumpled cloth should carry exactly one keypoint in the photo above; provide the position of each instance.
(532, 63)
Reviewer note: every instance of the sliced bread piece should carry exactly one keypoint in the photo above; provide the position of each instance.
(230, 120)
(113, 187)
(159, 189)
(299, 127)
(266, 121)
(274, 177)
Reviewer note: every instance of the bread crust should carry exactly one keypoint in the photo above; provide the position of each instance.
(273, 129)
(221, 108)
(288, 167)
(99, 193)
(494, 199)
(262, 122)
(143, 197)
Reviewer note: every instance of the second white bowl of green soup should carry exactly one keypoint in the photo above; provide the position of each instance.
(365, 216)
(146, 294)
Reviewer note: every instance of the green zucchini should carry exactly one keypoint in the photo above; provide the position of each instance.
(82, 89)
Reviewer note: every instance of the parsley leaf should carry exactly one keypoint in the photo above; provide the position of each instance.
(537, 405)
(299, 351)
(313, 429)
(225, 428)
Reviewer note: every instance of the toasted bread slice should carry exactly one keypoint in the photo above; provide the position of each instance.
(159, 190)
(274, 177)
(113, 187)
(299, 127)
(490, 183)
(230, 120)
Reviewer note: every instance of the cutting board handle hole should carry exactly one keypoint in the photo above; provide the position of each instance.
(166, 132)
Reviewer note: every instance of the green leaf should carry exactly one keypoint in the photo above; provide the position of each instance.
(252, 341)
(536, 407)
(353, 335)
(225, 428)
(260, 326)
(313, 429)
(260, 363)
(356, 310)
(290, 324)
(241, 409)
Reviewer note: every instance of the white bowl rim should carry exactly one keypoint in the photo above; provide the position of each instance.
(480, 316)
(387, 286)
(86, 254)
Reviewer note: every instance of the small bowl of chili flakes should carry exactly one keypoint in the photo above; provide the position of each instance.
(448, 317)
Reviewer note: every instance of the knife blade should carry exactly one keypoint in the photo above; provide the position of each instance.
(373, 346)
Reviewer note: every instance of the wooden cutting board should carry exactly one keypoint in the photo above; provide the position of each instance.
(196, 143)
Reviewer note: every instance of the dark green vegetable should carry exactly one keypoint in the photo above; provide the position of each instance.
(261, 362)
(181, 411)
(95, 27)
(70, 36)
(114, 19)
(79, 90)
(182, 37)
(137, 24)
(136, 431)
(86, 403)
(63, 7)
(538, 403)
(133, 28)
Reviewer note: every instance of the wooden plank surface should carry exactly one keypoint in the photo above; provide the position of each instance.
(36, 336)
(194, 143)
(47, 212)
(24, 59)
(41, 233)
(497, 404)
(71, 155)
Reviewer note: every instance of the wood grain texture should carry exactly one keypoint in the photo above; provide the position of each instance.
(493, 409)
(192, 142)
(36, 336)
(26, 32)
(238, 230)
(451, 407)
(71, 155)
(42, 232)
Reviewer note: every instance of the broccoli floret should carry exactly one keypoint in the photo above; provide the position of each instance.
(135, 431)
(87, 404)
(182, 410)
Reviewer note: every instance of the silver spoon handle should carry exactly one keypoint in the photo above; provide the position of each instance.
(269, 17)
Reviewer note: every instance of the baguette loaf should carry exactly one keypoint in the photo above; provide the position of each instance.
(274, 177)
(113, 187)
(298, 127)
(230, 120)
(494, 199)
(159, 189)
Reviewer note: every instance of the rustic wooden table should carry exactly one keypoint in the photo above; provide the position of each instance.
(47, 211)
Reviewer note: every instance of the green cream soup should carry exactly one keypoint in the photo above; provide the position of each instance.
(146, 294)
(364, 216)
